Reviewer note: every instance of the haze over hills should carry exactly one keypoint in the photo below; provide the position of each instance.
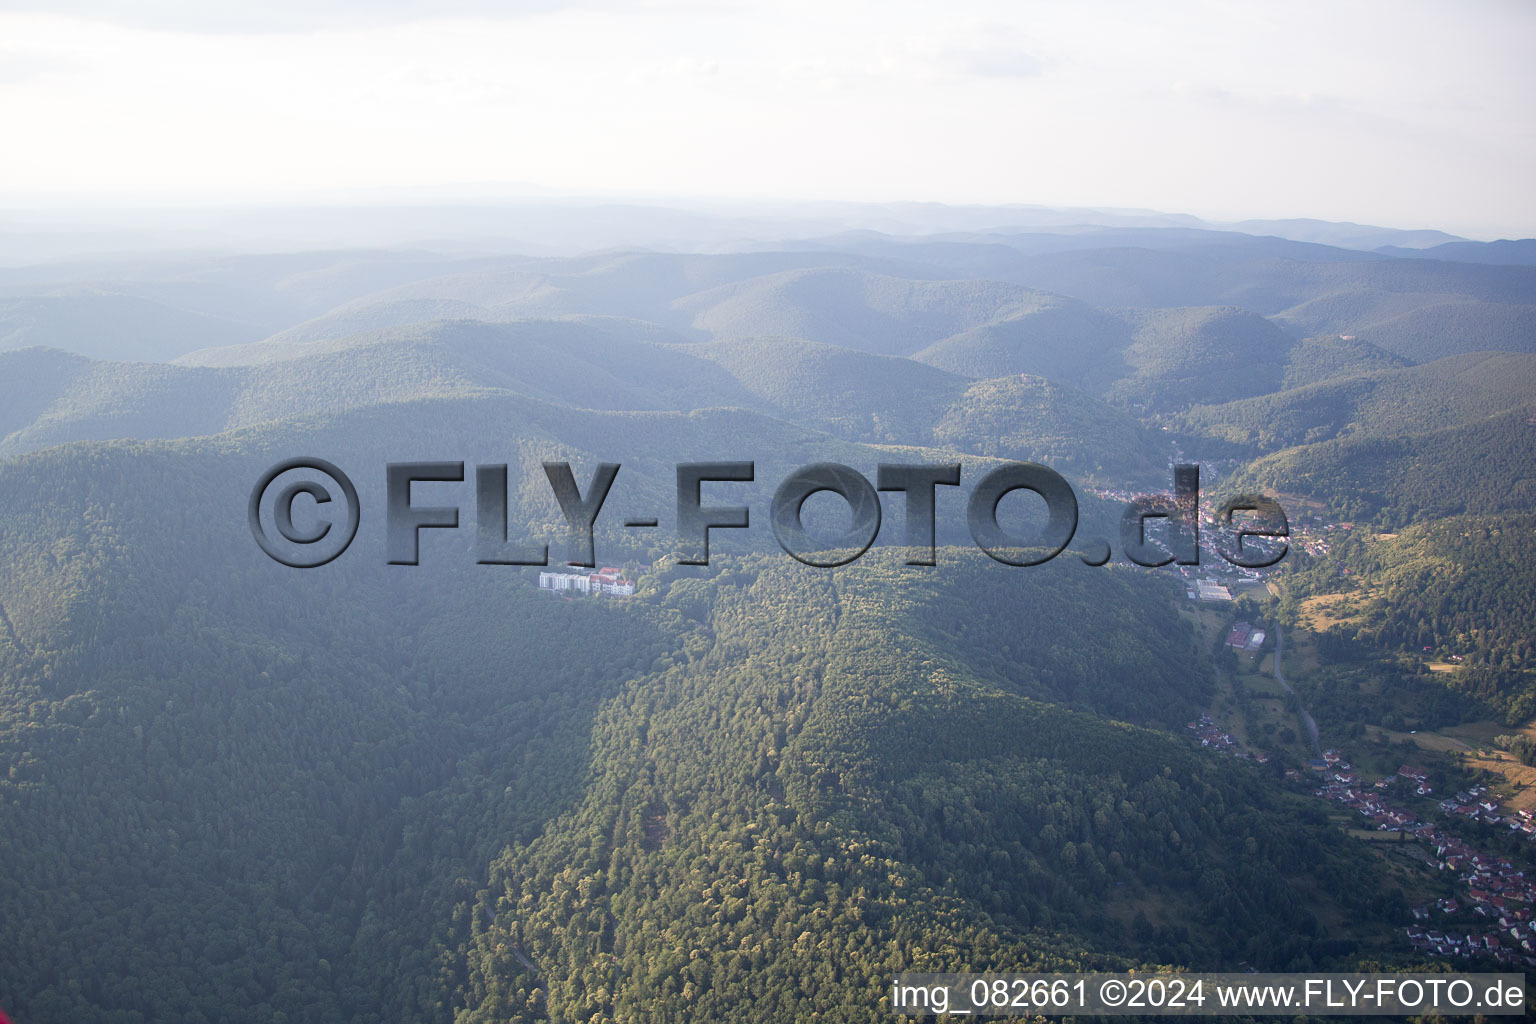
(549, 227)
(1521, 252)
(104, 325)
(231, 790)
(1406, 305)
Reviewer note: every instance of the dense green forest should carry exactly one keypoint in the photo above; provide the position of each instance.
(1486, 466)
(1462, 588)
(778, 826)
(237, 791)
(234, 791)
(1450, 392)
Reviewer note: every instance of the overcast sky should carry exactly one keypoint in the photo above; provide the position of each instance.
(1400, 113)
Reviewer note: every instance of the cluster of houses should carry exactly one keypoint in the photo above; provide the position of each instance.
(1313, 534)
(1468, 944)
(1478, 806)
(1309, 531)
(1342, 785)
(605, 582)
(1210, 734)
(1206, 582)
(1214, 737)
(1496, 890)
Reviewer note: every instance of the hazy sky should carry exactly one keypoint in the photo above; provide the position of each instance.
(1401, 113)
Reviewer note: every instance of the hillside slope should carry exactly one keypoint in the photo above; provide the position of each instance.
(1449, 392)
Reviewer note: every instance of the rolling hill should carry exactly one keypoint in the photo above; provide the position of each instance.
(1322, 358)
(1449, 392)
(585, 363)
(107, 326)
(1048, 336)
(438, 789)
(1482, 467)
(1180, 356)
(1461, 590)
(854, 309)
(846, 391)
(753, 790)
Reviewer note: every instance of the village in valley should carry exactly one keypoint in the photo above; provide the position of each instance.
(1474, 901)
(1493, 916)
(1310, 531)
(1488, 906)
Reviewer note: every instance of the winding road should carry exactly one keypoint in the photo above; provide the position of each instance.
(1306, 716)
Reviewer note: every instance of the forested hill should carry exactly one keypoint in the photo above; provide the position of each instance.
(336, 762)
(52, 397)
(1448, 392)
(1486, 466)
(235, 791)
(1462, 587)
(812, 811)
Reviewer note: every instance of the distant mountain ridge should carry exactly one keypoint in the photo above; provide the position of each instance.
(755, 789)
